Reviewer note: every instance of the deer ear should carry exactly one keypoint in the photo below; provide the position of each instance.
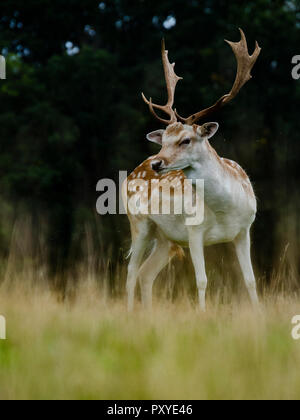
(208, 130)
(156, 136)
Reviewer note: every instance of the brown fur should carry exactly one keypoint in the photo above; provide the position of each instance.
(239, 174)
(177, 251)
(174, 129)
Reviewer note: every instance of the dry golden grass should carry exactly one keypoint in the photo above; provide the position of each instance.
(91, 348)
(86, 346)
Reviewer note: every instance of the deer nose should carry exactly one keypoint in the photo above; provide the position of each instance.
(156, 165)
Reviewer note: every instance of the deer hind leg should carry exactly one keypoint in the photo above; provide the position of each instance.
(161, 255)
(243, 250)
(140, 236)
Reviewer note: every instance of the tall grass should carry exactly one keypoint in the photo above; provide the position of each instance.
(86, 346)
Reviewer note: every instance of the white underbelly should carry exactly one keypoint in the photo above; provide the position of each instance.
(224, 230)
(173, 227)
(216, 228)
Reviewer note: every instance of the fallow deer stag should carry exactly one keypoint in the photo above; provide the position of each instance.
(229, 200)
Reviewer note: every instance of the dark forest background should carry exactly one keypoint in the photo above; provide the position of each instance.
(71, 113)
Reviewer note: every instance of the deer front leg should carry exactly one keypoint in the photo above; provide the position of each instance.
(243, 250)
(197, 253)
(139, 245)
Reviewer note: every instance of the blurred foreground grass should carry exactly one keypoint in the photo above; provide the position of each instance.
(91, 348)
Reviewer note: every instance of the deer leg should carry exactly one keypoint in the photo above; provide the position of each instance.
(151, 268)
(197, 253)
(139, 245)
(243, 250)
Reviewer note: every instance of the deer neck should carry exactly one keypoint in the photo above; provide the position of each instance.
(207, 166)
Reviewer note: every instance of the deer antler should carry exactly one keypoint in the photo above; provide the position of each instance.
(245, 63)
(171, 80)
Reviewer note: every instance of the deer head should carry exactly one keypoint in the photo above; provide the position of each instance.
(183, 140)
(182, 145)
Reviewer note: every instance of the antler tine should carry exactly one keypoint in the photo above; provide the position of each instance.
(245, 63)
(171, 81)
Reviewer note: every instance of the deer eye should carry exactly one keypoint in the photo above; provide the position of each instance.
(185, 142)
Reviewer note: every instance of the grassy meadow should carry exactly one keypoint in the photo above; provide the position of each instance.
(84, 345)
(91, 348)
